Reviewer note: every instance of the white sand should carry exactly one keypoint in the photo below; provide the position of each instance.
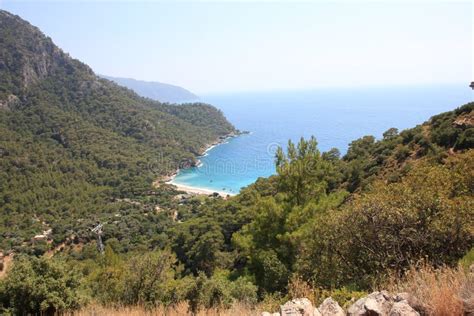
(197, 190)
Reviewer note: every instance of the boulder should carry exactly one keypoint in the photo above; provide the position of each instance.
(297, 306)
(374, 304)
(412, 301)
(330, 307)
(467, 294)
(402, 308)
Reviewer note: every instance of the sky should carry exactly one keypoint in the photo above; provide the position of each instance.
(228, 46)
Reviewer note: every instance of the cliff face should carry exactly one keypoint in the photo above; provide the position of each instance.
(27, 56)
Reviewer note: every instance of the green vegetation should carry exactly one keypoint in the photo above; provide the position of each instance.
(76, 149)
(39, 284)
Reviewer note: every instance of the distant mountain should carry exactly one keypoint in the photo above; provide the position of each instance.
(162, 92)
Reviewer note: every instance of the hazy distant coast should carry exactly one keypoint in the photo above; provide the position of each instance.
(159, 91)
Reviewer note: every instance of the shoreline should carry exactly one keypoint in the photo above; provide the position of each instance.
(201, 190)
(198, 190)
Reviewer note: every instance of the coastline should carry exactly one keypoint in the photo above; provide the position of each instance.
(200, 190)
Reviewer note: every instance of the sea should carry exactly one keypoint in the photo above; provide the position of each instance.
(335, 116)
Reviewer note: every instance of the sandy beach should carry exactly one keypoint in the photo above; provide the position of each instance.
(196, 190)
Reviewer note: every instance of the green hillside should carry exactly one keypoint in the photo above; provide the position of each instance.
(76, 150)
(72, 144)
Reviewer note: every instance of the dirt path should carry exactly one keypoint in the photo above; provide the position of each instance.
(7, 261)
(50, 253)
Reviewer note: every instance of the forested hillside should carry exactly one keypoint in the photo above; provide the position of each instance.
(76, 149)
(323, 226)
(73, 145)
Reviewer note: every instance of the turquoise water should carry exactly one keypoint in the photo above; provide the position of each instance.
(334, 116)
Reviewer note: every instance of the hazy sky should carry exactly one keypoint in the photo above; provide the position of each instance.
(214, 47)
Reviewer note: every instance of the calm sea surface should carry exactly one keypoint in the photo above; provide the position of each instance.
(334, 116)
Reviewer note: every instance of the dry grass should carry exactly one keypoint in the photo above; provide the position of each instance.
(439, 292)
(436, 292)
(297, 287)
(176, 310)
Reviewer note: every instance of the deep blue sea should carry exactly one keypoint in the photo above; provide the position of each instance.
(334, 116)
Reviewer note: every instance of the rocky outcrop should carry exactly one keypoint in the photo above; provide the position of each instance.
(465, 120)
(34, 56)
(330, 307)
(304, 307)
(402, 308)
(412, 301)
(9, 102)
(375, 304)
(298, 306)
(384, 304)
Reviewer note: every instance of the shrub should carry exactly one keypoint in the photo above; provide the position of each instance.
(298, 288)
(467, 260)
(148, 279)
(209, 292)
(344, 296)
(272, 301)
(39, 285)
(218, 291)
(426, 215)
(244, 291)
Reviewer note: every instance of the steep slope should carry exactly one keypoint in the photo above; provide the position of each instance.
(162, 92)
(71, 142)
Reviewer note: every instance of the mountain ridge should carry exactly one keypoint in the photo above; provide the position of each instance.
(154, 90)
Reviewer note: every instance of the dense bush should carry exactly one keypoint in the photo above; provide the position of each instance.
(428, 215)
(39, 285)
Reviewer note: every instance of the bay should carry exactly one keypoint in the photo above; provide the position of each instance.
(335, 116)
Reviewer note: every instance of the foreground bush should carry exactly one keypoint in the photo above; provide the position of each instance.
(218, 291)
(39, 285)
(154, 279)
(428, 215)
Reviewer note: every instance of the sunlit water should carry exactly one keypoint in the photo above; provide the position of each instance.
(334, 116)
